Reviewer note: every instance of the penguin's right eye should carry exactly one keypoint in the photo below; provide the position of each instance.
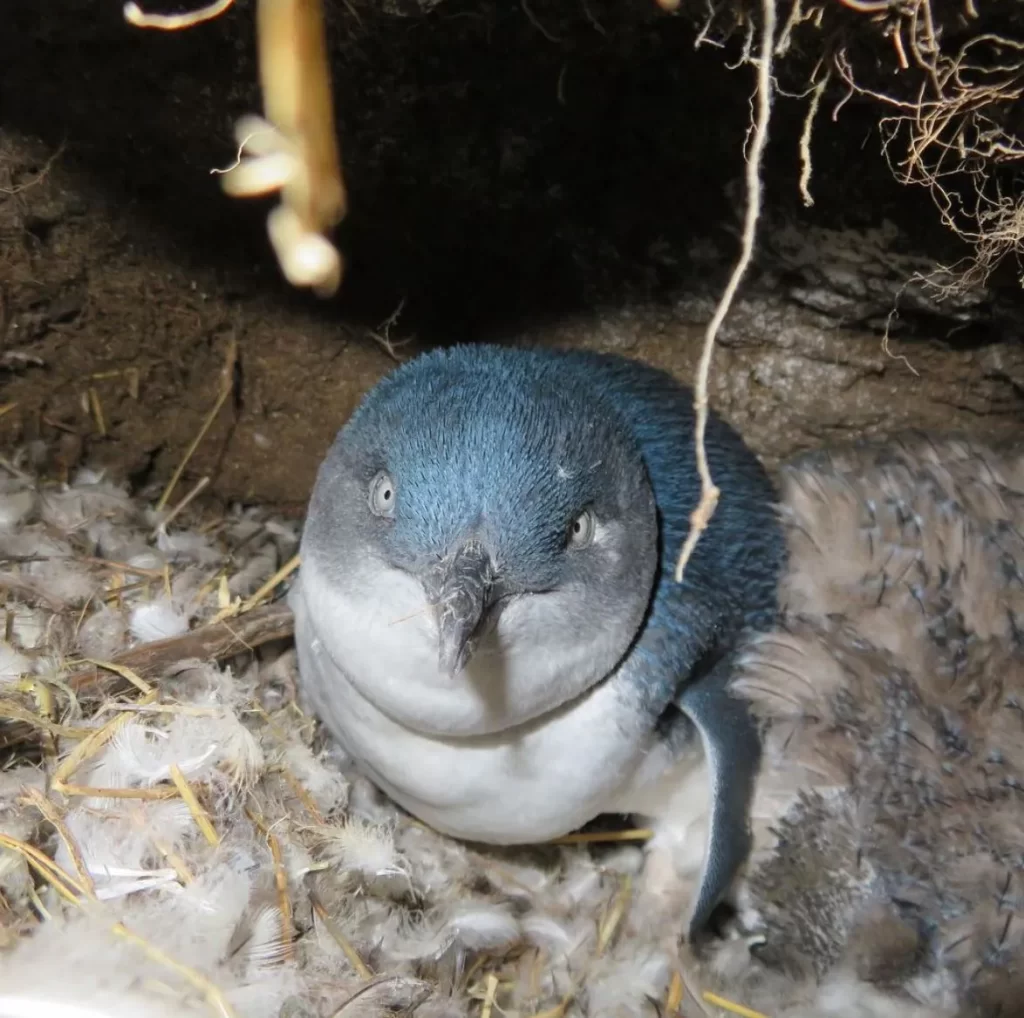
(382, 495)
(581, 530)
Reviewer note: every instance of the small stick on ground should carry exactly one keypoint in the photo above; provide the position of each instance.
(284, 902)
(59, 879)
(213, 642)
(731, 1006)
(52, 816)
(199, 486)
(709, 491)
(210, 991)
(97, 412)
(125, 672)
(614, 916)
(267, 587)
(158, 794)
(599, 837)
(90, 746)
(676, 992)
(340, 939)
(490, 995)
(302, 794)
(227, 384)
(195, 807)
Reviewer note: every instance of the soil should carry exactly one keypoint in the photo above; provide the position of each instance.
(515, 172)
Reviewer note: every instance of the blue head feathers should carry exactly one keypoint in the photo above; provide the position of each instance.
(493, 443)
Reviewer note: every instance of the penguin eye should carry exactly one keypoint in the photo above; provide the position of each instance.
(581, 530)
(382, 495)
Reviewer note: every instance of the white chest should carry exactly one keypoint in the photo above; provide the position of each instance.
(530, 781)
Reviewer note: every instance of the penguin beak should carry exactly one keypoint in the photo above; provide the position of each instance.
(467, 600)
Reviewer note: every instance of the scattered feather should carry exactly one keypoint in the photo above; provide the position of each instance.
(367, 852)
(103, 635)
(157, 620)
(12, 664)
(482, 928)
(15, 506)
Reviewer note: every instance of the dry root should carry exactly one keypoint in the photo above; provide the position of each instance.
(293, 149)
(948, 78)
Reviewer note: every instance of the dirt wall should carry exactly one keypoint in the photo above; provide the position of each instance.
(534, 173)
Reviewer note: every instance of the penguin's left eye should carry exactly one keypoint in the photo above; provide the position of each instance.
(382, 495)
(581, 530)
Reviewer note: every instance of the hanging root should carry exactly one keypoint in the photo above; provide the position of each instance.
(955, 137)
(709, 492)
(947, 77)
(293, 148)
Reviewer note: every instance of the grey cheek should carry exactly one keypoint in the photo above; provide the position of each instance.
(525, 614)
(607, 544)
(536, 624)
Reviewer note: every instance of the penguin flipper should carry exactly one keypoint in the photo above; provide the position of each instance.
(732, 750)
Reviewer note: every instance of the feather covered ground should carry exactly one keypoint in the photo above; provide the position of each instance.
(191, 844)
(184, 843)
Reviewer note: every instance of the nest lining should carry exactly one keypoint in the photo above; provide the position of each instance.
(176, 838)
(188, 844)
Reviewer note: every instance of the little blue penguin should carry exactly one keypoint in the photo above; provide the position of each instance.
(486, 615)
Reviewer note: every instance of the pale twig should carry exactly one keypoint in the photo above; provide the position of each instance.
(382, 334)
(195, 807)
(254, 600)
(97, 412)
(90, 746)
(601, 837)
(613, 917)
(73, 892)
(158, 794)
(50, 813)
(340, 939)
(728, 1005)
(134, 15)
(893, 314)
(213, 994)
(199, 486)
(125, 672)
(11, 711)
(57, 877)
(267, 587)
(227, 384)
(284, 902)
(709, 492)
(293, 147)
(302, 794)
(676, 992)
(490, 994)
